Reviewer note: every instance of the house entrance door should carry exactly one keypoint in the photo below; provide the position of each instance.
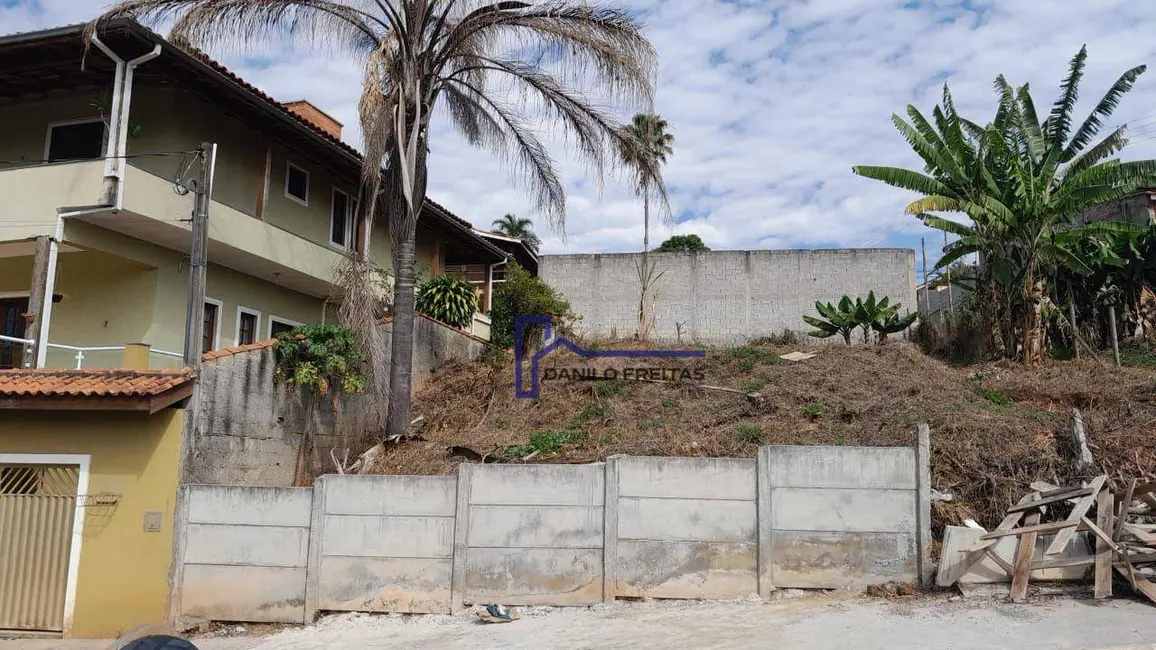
(37, 510)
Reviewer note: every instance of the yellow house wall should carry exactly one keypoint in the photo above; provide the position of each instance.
(130, 291)
(124, 571)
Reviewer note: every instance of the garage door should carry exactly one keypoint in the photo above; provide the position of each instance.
(37, 507)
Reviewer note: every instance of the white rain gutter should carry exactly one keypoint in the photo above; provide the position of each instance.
(490, 282)
(114, 172)
(115, 162)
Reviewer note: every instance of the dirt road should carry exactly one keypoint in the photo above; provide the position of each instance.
(829, 623)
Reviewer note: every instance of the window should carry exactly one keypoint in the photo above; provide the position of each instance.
(341, 220)
(297, 184)
(278, 325)
(210, 335)
(75, 141)
(247, 321)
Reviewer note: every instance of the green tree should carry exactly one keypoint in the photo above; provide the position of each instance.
(463, 56)
(523, 229)
(1021, 181)
(524, 295)
(683, 244)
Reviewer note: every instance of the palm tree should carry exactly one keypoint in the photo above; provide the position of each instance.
(523, 229)
(463, 56)
(653, 145)
(1022, 182)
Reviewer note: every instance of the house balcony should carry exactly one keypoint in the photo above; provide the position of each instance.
(152, 211)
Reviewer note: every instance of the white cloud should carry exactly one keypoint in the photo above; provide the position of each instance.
(771, 105)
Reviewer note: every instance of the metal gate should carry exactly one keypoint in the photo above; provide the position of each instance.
(37, 507)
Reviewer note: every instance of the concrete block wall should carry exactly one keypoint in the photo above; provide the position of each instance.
(686, 527)
(841, 517)
(725, 297)
(530, 534)
(382, 544)
(818, 517)
(243, 553)
(249, 426)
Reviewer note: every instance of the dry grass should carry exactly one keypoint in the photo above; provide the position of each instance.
(995, 427)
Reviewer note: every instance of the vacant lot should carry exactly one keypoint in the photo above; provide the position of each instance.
(995, 427)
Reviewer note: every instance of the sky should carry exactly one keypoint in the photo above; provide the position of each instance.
(770, 103)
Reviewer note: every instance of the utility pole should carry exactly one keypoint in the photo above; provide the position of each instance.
(926, 289)
(195, 307)
(950, 288)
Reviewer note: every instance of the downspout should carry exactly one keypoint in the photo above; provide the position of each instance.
(115, 162)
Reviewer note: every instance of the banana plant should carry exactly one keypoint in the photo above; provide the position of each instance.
(836, 319)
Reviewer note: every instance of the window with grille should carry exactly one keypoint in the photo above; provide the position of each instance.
(247, 328)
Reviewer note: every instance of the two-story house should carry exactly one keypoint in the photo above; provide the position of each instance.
(96, 149)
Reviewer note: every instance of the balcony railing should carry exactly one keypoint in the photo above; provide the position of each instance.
(79, 350)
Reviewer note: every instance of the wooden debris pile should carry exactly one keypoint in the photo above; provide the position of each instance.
(1123, 525)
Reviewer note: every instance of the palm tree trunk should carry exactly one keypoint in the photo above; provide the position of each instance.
(401, 344)
(403, 230)
(645, 275)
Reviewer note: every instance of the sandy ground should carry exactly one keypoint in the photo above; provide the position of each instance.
(829, 623)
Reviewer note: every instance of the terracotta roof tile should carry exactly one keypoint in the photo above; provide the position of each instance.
(228, 352)
(92, 383)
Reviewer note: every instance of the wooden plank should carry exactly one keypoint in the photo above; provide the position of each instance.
(1150, 500)
(1103, 573)
(1144, 586)
(1050, 527)
(1122, 509)
(1143, 536)
(1003, 564)
(1088, 560)
(1063, 495)
(1023, 563)
(1078, 511)
(1099, 532)
(1147, 488)
(1008, 523)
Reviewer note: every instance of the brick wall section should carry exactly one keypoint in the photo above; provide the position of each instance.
(725, 297)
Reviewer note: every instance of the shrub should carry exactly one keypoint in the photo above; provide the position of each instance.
(749, 434)
(447, 299)
(323, 359)
(525, 295)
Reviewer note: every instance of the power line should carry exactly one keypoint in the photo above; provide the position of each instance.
(72, 160)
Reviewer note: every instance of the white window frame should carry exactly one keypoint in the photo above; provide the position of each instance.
(350, 210)
(289, 165)
(285, 321)
(237, 330)
(84, 462)
(84, 120)
(220, 314)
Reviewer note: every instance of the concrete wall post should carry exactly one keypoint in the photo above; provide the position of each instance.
(765, 532)
(461, 537)
(316, 535)
(610, 531)
(177, 570)
(923, 503)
